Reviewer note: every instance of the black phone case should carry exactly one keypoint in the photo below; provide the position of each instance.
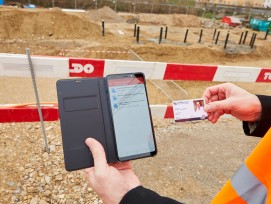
(84, 112)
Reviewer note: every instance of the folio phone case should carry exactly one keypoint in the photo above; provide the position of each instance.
(84, 112)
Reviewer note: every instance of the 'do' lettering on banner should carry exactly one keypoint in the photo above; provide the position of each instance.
(79, 68)
(86, 68)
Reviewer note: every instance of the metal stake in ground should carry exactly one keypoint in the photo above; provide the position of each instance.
(135, 30)
(266, 34)
(214, 34)
(102, 27)
(185, 37)
(161, 33)
(37, 99)
(166, 32)
(217, 37)
(244, 41)
(137, 34)
(226, 41)
(240, 41)
(253, 42)
(200, 35)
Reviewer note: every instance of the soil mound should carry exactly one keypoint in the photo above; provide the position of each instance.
(155, 19)
(106, 14)
(174, 54)
(181, 20)
(185, 20)
(53, 24)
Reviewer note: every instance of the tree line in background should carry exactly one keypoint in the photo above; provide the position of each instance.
(154, 6)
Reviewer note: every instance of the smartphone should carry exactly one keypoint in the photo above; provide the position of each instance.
(132, 123)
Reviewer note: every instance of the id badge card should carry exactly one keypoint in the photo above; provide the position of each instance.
(189, 110)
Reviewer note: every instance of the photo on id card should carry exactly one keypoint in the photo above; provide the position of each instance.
(189, 110)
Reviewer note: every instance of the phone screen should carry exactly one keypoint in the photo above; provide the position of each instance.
(133, 128)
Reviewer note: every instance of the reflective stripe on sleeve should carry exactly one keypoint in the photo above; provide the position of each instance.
(248, 187)
(227, 196)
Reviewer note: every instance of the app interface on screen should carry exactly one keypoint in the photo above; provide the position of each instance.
(131, 116)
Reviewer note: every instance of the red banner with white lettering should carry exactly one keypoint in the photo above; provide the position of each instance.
(86, 67)
(264, 76)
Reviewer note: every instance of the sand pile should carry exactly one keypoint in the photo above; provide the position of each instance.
(53, 24)
(183, 20)
(106, 14)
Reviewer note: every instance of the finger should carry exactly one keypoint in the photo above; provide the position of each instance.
(217, 89)
(98, 153)
(208, 108)
(216, 116)
(214, 98)
(212, 90)
(206, 95)
(218, 106)
(210, 95)
(121, 165)
(210, 116)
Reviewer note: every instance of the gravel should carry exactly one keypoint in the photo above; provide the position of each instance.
(194, 161)
(31, 175)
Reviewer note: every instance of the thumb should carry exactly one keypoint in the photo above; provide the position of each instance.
(98, 153)
(217, 106)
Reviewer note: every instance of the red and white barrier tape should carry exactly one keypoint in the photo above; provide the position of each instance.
(15, 113)
(10, 114)
(96, 51)
(63, 67)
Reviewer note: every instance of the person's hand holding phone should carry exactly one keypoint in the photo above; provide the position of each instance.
(231, 99)
(110, 182)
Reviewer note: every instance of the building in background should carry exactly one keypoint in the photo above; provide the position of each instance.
(248, 3)
(267, 4)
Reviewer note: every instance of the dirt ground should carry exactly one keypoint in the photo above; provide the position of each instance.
(194, 159)
(79, 35)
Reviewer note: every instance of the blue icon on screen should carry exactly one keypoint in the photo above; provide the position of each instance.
(115, 98)
(115, 105)
(113, 90)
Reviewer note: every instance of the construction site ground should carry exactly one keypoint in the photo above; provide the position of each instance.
(194, 159)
